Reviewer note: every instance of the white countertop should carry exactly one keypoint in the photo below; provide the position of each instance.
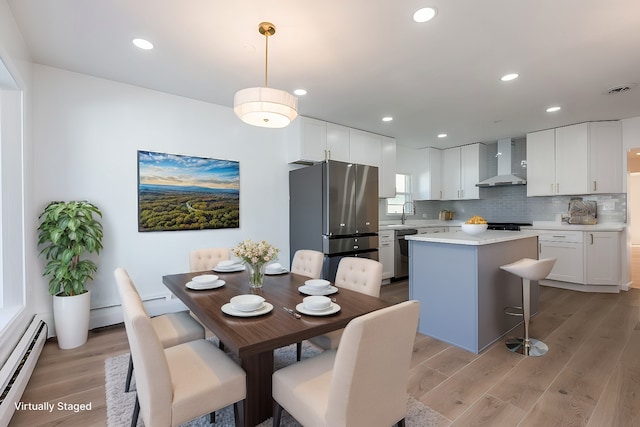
(418, 224)
(461, 238)
(552, 225)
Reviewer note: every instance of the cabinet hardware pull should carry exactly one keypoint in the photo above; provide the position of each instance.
(558, 187)
(595, 186)
(329, 155)
(591, 234)
(540, 248)
(555, 235)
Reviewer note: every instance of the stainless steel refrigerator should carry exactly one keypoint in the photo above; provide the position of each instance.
(333, 208)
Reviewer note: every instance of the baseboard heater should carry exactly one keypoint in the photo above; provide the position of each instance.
(17, 370)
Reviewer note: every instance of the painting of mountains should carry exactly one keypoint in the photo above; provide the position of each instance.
(177, 192)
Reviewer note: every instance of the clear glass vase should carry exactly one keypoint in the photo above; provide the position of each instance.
(256, 274)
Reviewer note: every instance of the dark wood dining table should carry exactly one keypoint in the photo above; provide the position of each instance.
(253, 339)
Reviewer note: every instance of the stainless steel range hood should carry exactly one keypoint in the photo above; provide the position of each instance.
(505, 175)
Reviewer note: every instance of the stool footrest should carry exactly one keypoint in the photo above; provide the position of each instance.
(514, 311)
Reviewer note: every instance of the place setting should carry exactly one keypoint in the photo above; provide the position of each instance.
(229, 266)
(204, 282)
(317, 305)
(274, 269)
(317, 287)
(247, 305)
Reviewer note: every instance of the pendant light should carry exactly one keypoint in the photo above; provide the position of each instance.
(264, 106)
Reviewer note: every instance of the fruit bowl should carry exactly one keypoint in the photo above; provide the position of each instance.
(474, 229)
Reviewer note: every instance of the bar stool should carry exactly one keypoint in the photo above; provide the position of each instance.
(528, 269)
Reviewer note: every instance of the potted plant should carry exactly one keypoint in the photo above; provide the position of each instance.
(67, 231)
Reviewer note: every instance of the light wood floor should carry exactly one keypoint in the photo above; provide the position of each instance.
(590, 377)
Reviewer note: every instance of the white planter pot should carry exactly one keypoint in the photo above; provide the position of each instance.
(71, 317)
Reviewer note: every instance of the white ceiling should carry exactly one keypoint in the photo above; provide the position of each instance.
(361, 60)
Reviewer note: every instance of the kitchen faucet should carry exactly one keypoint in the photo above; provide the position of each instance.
(403, 218)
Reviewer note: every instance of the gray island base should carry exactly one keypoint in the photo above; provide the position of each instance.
(461, 288)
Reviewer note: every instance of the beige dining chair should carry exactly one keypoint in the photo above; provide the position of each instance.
(207, 258)
(356, 274)
(361, 383)
(171, 328)
(180, 383)
(308, 263)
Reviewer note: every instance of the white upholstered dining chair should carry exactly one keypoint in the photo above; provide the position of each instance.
(207, 258)
(356, 274)
(182, 382)
(171, 328)
(308, 263)
(361, 383)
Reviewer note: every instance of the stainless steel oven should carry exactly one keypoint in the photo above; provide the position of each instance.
(402, 253)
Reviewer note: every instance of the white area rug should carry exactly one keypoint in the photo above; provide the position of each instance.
(120, 404)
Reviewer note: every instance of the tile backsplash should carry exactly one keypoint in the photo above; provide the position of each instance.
(511, 204)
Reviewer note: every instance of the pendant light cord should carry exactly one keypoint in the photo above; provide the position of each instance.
(266, 60)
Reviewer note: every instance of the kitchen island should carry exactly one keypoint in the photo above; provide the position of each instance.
(461, 288)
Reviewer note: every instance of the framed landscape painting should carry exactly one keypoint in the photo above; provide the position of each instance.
(177, 192)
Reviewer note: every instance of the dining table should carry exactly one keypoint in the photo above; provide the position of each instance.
(253, 339)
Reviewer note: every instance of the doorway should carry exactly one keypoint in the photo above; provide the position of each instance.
(633, 204)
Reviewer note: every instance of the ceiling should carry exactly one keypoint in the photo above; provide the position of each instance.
(362, 60)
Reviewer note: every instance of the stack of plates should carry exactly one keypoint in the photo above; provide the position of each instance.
(247, 306)
(317, 287)
(205, 281)
(228, 266)
(275, 268)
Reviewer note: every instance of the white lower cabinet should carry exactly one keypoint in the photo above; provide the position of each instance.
(583, 257)
(568, 250)
(603, 257)
(386, 253)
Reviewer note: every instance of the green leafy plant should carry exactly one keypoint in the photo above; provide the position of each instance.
(68, 230)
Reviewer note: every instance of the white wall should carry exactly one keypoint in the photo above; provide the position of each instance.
(17, 186)
(87, 132)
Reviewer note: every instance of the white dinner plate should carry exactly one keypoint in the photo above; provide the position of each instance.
(311, 291)
(334, 308)
(233, 268)
(200, 287)
(228, 309)
(274, 272)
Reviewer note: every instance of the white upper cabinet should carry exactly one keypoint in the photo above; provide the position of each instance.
(312, 141)
(427, 174)
(387, 171)
(337, 142)
(307, 140)
(365, 148)
(585, 158)
(541, 163)
(451, 173)
(572, 159)
(605, 154)
(462, 168)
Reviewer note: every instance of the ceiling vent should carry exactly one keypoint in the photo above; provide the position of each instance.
(620, 89)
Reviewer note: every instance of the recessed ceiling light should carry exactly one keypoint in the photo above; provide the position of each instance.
(143, 44)
(300, 92)
(387, 119)
(425, 14)
(442, 135)
(553, 109)
(509, 77)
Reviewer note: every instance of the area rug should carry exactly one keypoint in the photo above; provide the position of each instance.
(120, 404)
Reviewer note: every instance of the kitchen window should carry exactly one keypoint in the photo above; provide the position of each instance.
(403, 195)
